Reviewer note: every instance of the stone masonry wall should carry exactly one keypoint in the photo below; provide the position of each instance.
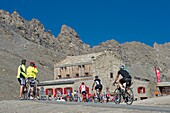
(103, 66)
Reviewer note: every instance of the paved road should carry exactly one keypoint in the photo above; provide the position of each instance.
(28, 106)
(112, 105)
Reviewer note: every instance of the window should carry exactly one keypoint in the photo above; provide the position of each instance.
(141, 89)
(111, 75)
(68, 76)
(77, 75)
(59, 76)
(86, 74)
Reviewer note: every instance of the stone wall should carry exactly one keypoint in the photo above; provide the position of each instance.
(140, 83)
(103, 66)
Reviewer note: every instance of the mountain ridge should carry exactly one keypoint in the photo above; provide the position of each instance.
(22, 39)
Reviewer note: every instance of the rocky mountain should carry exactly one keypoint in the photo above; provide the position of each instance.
(20, 38)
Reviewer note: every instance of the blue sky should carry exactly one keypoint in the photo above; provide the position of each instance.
(97, 21)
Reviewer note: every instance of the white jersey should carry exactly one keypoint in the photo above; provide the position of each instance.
(83, 88)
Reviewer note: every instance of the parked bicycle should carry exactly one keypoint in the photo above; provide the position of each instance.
(30, 90)
(126, 95)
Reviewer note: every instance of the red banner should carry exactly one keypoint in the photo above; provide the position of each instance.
(158, 75)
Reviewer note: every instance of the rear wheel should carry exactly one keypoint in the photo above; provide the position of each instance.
(129, 97)
(96, 99)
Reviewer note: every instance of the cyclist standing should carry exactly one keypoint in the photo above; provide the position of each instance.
(126, 78)
(21, 76)
(98, 84)
(31, 75)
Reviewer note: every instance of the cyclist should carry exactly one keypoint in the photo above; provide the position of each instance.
(35, 78)
(98, 84)
(126, 78)
(31, 73)
(83, 89)
(21, 76)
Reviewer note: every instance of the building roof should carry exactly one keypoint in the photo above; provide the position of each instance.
(78, 60)
(63, 81)
(47, 83)
(163, 84)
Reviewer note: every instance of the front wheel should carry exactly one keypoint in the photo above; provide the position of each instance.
(117, 96)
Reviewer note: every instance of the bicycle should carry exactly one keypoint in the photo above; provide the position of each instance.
(127, 95)
(31, 85)
(97, 97)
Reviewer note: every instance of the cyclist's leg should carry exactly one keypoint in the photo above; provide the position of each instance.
(28, 88)
(22, 83)
(95, 91)
(82, 96)
(32, 83)
(121, 82)
(100, 95)
(100, 91)
(87, 96)
(128, 84)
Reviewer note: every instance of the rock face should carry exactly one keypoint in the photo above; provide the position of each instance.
(20, 39)
(71, 43)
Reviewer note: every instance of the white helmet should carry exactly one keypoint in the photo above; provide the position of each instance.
(122, 66)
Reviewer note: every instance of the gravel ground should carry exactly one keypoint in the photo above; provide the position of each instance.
(20, 106)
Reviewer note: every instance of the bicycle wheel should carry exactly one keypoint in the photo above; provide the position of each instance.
(96, 99)
(117, 95)
(129, 97)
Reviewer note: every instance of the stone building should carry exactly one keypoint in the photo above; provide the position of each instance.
(72, 71)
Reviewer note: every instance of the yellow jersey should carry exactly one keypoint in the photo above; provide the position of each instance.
(31, 72)
(21, 71)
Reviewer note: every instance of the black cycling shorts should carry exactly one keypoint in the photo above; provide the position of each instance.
(125, 80)
(98, 87)
(83, 92)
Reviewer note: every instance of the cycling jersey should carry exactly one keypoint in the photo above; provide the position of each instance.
(83, 88)
(31, 72)
(21, 71)
(98, 84)
(124, 74)
(126, 77)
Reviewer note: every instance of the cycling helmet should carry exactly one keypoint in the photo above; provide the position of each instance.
(122, 66)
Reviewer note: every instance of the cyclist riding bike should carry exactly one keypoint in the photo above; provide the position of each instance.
(126, 78)
(31, 74)
(98, 86)
(83, 91)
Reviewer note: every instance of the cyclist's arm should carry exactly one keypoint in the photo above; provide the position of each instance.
(35, 71)
(93, 85)
(116, 79)
(80, 89)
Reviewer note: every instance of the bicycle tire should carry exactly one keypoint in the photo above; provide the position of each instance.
(117, 95)
(129, 98)
(96, 99)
